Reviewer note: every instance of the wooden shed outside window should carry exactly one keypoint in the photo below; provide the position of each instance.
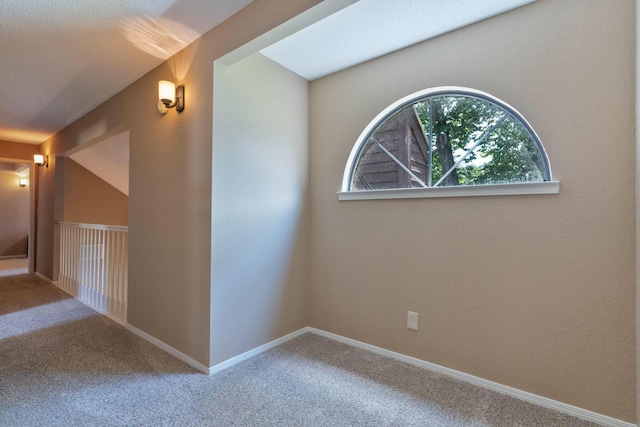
(446, 137)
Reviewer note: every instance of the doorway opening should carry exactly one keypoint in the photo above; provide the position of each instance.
(17, 216)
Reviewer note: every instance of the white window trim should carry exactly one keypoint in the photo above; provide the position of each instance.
(542, 187)
(511, 189)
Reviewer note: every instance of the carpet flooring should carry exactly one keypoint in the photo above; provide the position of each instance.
(63, 364)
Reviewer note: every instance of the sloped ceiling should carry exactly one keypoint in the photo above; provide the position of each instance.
(108, 159)
(368, 29)
(60, 59)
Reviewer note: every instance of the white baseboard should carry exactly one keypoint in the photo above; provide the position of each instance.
(510, 391)
(166, 347)
(220, 366)
(249, 354)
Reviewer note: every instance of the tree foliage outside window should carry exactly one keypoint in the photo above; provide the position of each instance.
(449, 137)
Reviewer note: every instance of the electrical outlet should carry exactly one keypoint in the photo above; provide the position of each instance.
(412, 320)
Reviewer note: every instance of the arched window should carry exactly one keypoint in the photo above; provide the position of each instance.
(447, 137)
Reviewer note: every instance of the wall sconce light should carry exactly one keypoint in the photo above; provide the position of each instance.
(170, 96)
(41, 160)
(22, 182)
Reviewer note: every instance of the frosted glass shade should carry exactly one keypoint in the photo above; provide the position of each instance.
(38, 159)
(166, 91)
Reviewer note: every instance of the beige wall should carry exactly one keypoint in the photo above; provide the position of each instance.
(89, 199)
(169, 183)
(534, 292)
(44, 227)
(16, 150)
(259, 216)
(637, 182)
(14, 216)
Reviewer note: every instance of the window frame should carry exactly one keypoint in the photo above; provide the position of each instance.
(547, 186)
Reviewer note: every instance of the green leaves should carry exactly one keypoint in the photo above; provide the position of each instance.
(507, 154)
(464, 137)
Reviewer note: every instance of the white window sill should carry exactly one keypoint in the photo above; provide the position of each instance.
(545, 187)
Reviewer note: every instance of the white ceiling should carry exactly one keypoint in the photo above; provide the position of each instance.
(60, 59)
(108, 159)
(371, 28)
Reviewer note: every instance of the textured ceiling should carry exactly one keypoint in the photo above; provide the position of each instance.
(371, 28)
(59, 60)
